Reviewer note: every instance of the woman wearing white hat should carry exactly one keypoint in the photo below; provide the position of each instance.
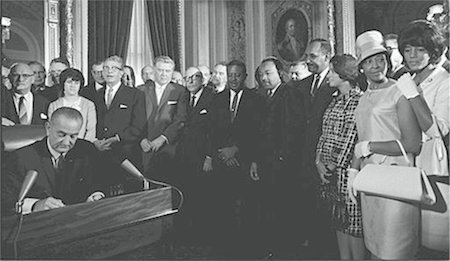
(383, 116)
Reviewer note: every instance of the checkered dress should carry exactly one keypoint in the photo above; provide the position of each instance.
(336, 145)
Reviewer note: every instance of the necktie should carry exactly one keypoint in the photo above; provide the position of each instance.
(159, 92)
(59, 162)
(23, 117)
(109, 97)
(192, 102)
(315, 85)
(234, 106)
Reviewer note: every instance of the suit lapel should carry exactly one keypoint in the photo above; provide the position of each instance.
(165, 96)
(153, 105)
(117, 96)
(48, 179)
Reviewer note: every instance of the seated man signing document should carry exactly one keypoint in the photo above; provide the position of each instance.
(64, 164)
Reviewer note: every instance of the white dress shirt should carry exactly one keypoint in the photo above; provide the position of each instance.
(28, 101)
(159, 89)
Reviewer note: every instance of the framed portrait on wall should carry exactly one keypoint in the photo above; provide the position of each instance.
(290, 30)
(291, 35)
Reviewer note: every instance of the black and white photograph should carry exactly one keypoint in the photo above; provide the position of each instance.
(225, 130)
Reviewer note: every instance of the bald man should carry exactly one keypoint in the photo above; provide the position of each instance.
(28, 108)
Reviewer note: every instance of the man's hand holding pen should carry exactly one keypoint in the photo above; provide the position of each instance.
(47, 203)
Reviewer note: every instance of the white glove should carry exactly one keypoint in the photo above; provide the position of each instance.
(362, 149)
(407, 86)
(352, 192)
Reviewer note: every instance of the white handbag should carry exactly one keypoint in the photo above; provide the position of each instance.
(396, 182)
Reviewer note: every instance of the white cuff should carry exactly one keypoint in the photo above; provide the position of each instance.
(28, 205)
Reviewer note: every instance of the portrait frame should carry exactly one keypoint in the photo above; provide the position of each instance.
(301, 13)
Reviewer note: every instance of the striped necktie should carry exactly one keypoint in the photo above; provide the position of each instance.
(23, 116)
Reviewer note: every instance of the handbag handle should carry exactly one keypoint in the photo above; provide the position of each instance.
(403, 152)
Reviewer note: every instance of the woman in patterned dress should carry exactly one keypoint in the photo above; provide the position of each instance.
(383, 117)
(335, 148)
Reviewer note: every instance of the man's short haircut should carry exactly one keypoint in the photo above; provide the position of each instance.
(297, 62)
(142, 70)
(239, 64)
(164, 59)
(223, 63)
(36, 63)
(73, 74)
(278, 65)
(61, 60)
(99, 62)
(68, 113)
(391, 37)
(324, 45)
(117, 59)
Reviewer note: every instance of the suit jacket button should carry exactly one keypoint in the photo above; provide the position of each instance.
(281, 158)
(106, 129)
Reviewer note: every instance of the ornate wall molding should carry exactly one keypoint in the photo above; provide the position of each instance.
(237, 30)
(69, 30)
(51, 31)
(331, 25)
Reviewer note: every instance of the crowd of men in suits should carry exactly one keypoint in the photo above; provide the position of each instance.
(228, 147)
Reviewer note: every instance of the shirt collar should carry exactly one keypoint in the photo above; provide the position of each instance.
(275, 89)
(198, 93)
(157, 85)
(114, 87)
(53, 152)
(27, 96)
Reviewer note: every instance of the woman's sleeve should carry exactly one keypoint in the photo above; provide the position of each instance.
(348, 136)
(440, 112)
(91, 122)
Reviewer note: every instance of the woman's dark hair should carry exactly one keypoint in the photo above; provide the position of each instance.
(347, 69)
(426, 34)
(72, 73)
(133, 77)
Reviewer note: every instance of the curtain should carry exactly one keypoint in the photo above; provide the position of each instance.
(163, 20)
(108, 29)
(140, 51)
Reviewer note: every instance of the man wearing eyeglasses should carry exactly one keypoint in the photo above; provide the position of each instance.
(90, 90)
(57, 65)
(39, 77)
(121, 119)
(166, 105)
(195, 161)
(29, 108)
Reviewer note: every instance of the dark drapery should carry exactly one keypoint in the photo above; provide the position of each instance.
(163, 20)
(109, 25)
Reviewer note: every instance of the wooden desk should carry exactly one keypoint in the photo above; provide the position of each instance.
(92, 230)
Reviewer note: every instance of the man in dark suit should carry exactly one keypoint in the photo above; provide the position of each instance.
(236, 116)
(319, 93)
(56, 91)
(64, 164)
(166, 107)
(90, 90)
(278, 167)
(28, 107)
(194, 160)
(121, 119)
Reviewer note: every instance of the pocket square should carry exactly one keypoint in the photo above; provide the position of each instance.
(43, 116)
(171, 102)
(123, 106)
(204, 111)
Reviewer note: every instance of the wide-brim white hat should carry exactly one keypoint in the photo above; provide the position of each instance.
(368, 44)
